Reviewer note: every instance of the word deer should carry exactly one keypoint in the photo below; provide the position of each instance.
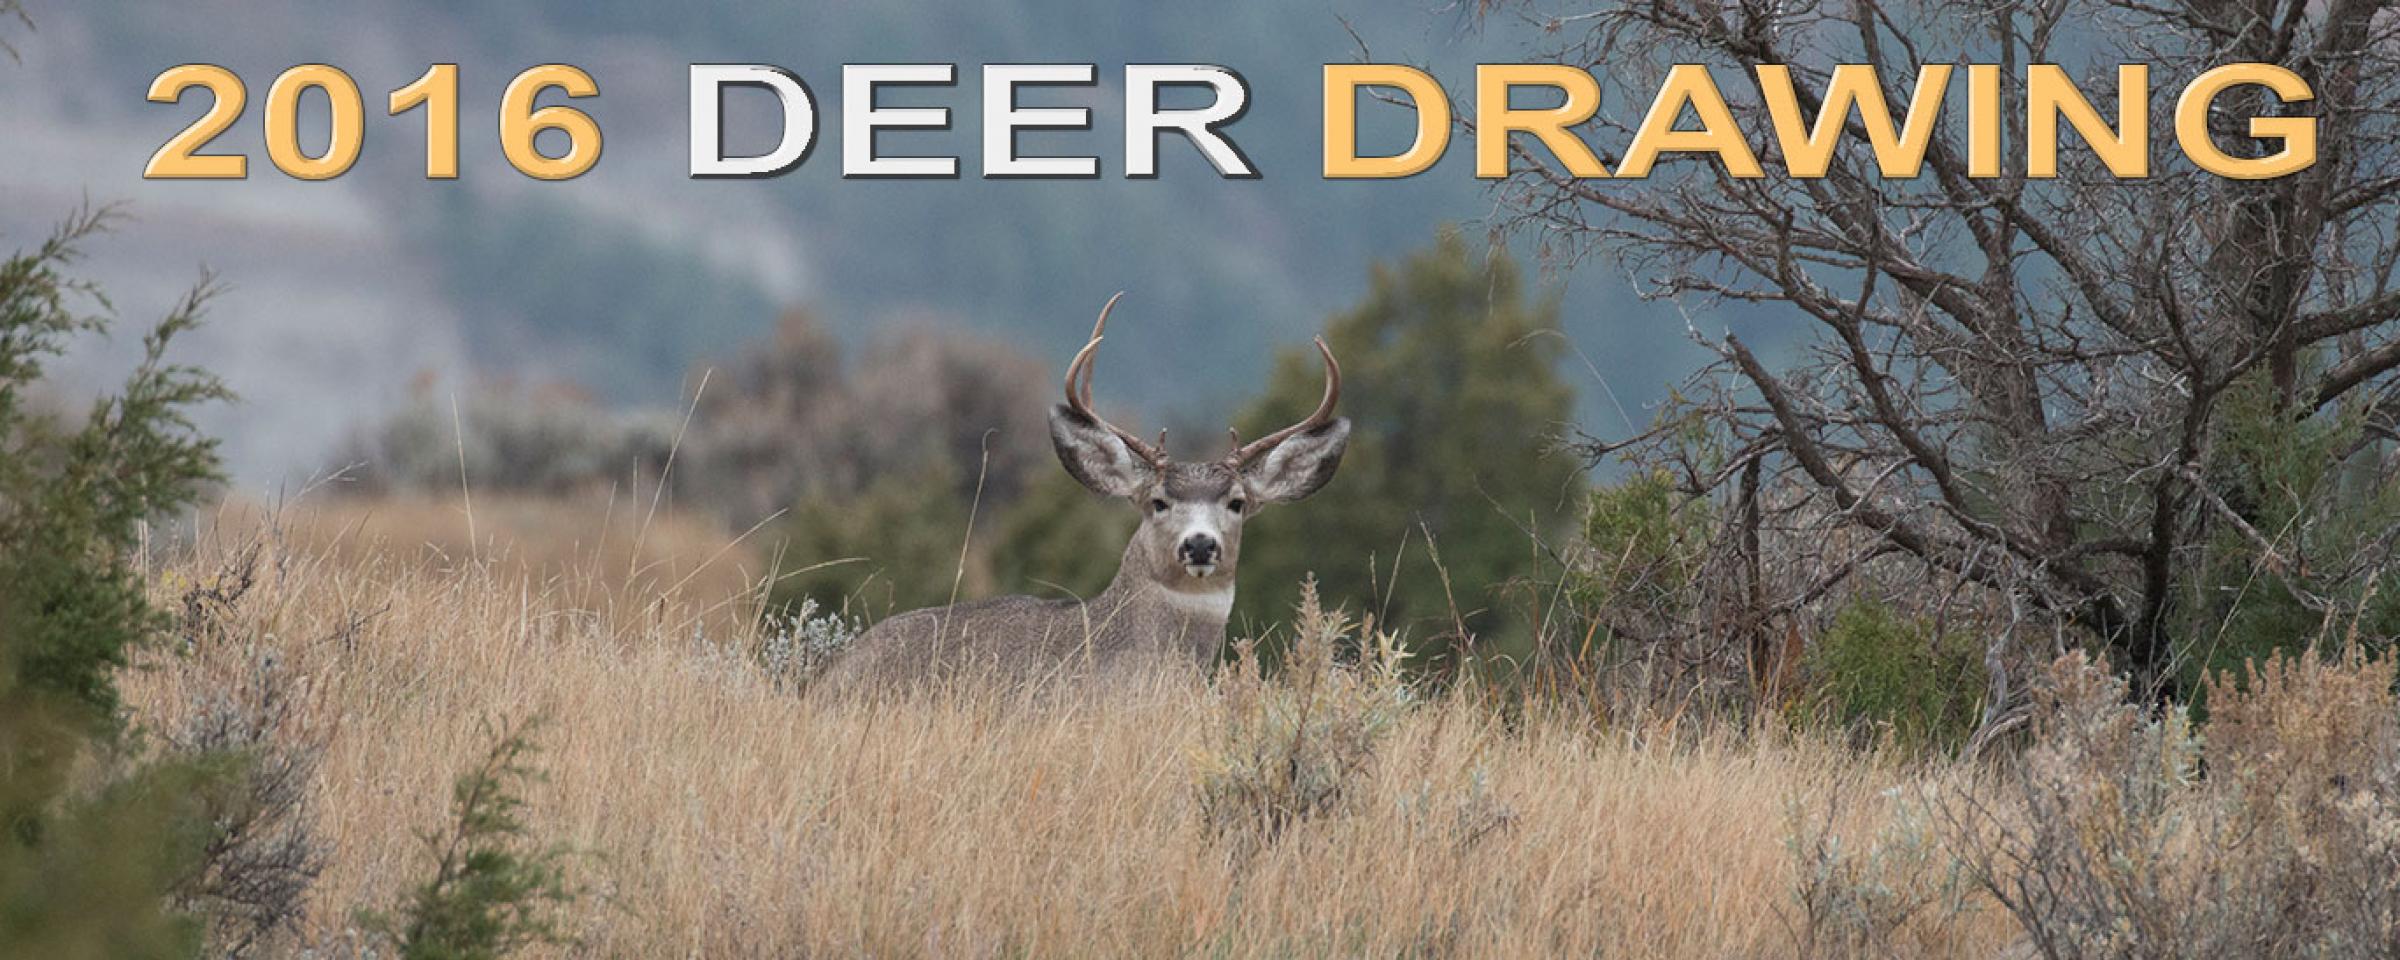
(1174, 586)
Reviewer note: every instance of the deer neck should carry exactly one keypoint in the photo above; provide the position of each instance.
(1197, 605)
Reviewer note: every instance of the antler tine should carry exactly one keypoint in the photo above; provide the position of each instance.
(1244, 453)
(1098, 327)
(1075, 400)
(1333, 385)
(1080, 400)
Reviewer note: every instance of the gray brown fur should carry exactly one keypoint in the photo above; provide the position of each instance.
(1173, 590)
(1131, 626)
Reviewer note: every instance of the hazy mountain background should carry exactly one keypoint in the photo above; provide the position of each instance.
(625, 281)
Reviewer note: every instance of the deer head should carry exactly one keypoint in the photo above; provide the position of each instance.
(1190, 539)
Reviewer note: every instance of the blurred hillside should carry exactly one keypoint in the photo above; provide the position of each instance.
(623, 280)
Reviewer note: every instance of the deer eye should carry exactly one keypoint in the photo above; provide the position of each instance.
(1158, 506)
(1235, 505)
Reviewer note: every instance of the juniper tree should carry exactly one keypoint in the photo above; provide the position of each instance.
(90, 868)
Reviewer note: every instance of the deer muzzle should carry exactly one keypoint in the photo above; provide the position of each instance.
(1199, 554)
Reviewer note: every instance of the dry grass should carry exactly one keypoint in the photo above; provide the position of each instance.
(579, 555)
(719, 817)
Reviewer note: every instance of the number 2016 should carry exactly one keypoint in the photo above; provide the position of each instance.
(437, 91)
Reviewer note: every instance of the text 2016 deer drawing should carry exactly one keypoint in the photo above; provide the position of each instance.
(1174, 588)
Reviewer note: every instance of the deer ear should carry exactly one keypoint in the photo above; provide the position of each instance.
(1095, 457)
(1300, 464)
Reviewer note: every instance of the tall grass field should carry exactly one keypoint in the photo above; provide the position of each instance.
(708, 807)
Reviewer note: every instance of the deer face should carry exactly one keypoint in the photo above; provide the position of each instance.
(1192, 512)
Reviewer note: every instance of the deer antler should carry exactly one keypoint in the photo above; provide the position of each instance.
(1244, 453)
(1080, 399)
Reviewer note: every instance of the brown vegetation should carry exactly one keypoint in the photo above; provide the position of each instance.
(1328, 807)
(725, 817)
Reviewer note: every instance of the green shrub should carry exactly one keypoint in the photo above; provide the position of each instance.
(492, 891)
(1059, 537)
(892, 547)
(99, 841)
(2312, 565)
(1644, 530)
(1644, 544)
(1881, 675)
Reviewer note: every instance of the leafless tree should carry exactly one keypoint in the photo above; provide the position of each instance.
(2024, 385)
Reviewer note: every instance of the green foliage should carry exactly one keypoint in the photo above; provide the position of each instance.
(892, 546)
(97, 875)
(895, 545)
(1878, 671)
(1060, 536)
(2313, 513)
(88, 832)
(492, 891)
(877, 465)
(1450, 381)
(1643, 544)
(1643, 521)
(1451, 386)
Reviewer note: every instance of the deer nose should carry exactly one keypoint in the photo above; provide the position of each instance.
(1197, 548)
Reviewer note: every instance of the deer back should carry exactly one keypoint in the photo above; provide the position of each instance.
(1019, 639)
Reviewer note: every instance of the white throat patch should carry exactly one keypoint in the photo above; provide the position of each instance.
(1212, 605)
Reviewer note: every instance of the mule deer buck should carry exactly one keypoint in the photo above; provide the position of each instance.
(1174, 587)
